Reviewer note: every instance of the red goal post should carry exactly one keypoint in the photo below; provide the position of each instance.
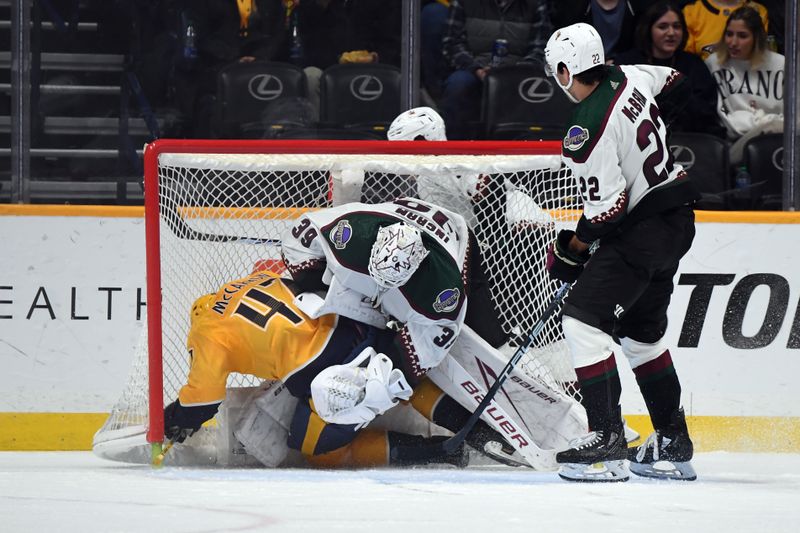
(215, 210)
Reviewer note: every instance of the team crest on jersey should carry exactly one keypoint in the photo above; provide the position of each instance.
(447, 300)
(576, 138)
(341, 234)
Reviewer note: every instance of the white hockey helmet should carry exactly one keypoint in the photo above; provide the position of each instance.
(578, 46)
(396, 254)
(417, 122)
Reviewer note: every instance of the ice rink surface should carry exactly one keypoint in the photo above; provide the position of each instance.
(77, 492)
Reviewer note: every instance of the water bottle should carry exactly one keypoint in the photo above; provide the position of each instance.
(190, 45)
(743, 192)
(296, 43)
(772, 43)
(499, 52)
(742, 178)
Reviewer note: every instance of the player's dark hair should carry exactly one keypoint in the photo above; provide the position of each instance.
(644, 29)
(593, 75)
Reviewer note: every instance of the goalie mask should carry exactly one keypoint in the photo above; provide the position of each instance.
(396, 255)
(420, 122)
(579, 47)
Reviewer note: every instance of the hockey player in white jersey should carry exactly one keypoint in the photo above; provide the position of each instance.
(637, 223)
(411, 259)
(407, 265)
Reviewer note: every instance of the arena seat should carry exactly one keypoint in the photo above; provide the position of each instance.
(522, 102)
(763, 156)
(363, 96)
(254, 99)
(705, 158)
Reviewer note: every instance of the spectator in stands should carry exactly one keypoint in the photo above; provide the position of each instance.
(472, 28)
(750, 79)
(433, 21)
(614, 20)
(705, 20)
(224, 32)
(347, 31)
(660, 38)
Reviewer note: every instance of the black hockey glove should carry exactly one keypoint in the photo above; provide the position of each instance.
(562, 263)
(181, 422)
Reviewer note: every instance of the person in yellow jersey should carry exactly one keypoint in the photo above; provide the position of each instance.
(254, 326)
(706, 20)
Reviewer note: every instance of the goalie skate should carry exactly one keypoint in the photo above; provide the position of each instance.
(497, 452)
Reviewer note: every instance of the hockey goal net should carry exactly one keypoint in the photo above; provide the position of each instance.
(216, 210)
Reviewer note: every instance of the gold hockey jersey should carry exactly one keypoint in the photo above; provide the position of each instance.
(252, 326)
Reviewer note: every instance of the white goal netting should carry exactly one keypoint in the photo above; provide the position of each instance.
(221, 216)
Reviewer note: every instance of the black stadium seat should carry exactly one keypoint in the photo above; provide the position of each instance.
(705, 158)
(253, 98)
(522, 102)
(763, 156)
(363, 96)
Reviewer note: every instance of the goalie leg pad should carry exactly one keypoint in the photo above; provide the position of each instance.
(264, 426)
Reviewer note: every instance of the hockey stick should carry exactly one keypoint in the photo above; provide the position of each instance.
(158, 458)
(449, 446)
(179, 227)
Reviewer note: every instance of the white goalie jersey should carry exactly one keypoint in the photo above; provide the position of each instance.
(429, 308)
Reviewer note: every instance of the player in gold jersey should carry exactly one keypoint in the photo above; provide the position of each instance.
(253, 326)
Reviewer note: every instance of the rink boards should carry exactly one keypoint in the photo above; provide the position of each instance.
(72, 302)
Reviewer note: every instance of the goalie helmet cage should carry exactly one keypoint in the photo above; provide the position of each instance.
(215, 212)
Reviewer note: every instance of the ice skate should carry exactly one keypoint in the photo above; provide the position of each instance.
(596, 457)
(666, 454)
(631, 435)
(490, 443)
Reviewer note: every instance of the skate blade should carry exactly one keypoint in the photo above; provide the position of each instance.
(494, 451)
(603, 472)
(665, 470)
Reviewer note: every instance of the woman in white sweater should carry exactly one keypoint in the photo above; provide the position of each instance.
(750, 79)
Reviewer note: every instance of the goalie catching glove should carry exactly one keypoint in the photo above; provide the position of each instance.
(562, 263)
(352, 394)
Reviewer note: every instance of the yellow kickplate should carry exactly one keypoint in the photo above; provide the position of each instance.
(734, 433)
(74, 431)
(49, 431)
